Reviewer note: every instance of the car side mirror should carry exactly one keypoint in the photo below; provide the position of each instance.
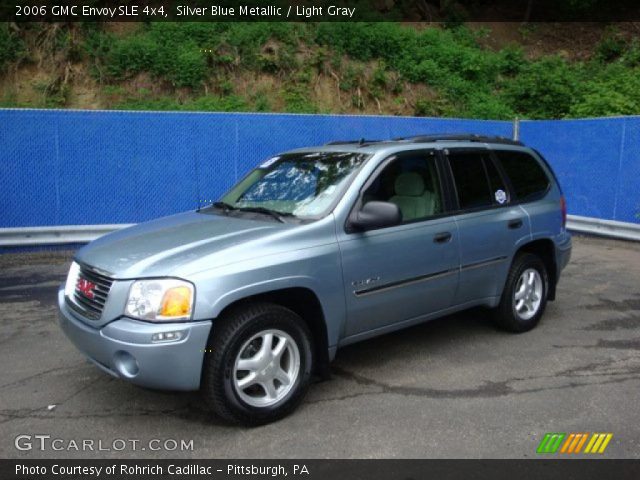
(374, 215)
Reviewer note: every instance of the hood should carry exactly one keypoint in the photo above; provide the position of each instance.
(157, 247)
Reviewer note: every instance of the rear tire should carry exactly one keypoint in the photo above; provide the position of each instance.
(257, 366)
(525, 294)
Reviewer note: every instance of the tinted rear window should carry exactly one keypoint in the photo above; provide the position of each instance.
(477, 181)
(527, 177)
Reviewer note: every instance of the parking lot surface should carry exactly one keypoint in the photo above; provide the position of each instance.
(454, 387)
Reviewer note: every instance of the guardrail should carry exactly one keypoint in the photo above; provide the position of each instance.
(604, 228)
(33, 236)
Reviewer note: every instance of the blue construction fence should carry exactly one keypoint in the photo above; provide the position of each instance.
(62, 167)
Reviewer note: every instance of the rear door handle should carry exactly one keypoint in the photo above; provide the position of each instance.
(513, 224)
(442, 237)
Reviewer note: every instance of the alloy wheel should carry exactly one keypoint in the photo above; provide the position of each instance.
(266, 368)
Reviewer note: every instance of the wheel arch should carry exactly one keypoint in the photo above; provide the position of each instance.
(305, 303)
(545, 249)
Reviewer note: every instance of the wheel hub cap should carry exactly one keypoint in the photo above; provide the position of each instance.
(528, 294)
(267, 367)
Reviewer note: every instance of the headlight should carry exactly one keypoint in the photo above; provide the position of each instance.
(72, 279)
(161, 300)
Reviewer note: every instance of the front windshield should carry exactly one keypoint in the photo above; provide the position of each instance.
(300, 184)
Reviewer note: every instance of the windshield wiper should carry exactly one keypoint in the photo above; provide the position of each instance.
(224, 206)
(274, 213)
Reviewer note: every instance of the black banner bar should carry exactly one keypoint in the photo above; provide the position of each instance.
(582, 469)
(449, 11)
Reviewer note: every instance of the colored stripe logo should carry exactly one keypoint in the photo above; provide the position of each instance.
(574, 443)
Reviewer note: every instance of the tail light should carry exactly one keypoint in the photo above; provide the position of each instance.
(563, 209)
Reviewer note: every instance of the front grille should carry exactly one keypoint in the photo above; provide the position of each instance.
(86, 305)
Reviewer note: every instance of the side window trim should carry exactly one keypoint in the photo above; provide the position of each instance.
(454, 189)
(428, 152)
(451, 189)
(549, 172)
(506, 181)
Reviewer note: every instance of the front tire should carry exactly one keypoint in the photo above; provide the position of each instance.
(257, 366)
(525, 294)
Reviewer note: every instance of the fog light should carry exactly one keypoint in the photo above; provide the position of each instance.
(126, 364)
(166, 337)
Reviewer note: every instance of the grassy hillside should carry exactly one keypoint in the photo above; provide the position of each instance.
(329, 67)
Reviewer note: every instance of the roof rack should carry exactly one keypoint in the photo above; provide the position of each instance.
(457, 137)
(362, 141)
(434, 137)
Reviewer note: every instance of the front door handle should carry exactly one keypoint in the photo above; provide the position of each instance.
(513, 224)
(442, 237)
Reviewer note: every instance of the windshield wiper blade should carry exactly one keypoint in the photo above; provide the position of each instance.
(224, 206)
(274, 213)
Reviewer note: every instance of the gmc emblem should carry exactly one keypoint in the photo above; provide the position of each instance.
(86, 287)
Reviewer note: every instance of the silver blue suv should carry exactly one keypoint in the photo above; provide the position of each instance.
(315, 249)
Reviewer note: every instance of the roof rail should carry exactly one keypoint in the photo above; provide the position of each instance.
(459, 137)
(362, 141)
(434, 137)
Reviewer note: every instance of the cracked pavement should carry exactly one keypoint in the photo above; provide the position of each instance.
(451, 388)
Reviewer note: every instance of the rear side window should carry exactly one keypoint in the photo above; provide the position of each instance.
(478, 182)
(528, 179)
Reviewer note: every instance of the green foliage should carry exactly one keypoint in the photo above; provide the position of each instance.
(611, 46)
(11, 46)
(372, 63)
(231, 103)
(510, 60)
(157, 50)
(296, 99)
(188, 68)
(614, 91)
(544, 89)
(351, 78)
(280, 60)
(631, 58)
(450, 59)
(261, 102)
(134, 54)
(437, 107)
(185, 54)
(490, 107)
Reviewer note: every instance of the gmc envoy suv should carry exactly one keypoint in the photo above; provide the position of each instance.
(247, 298)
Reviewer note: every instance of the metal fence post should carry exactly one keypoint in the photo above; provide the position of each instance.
(516, 129)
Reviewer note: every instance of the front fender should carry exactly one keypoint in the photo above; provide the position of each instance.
(262, 287)
(317, 269)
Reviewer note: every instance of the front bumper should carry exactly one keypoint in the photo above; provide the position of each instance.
(123, 348)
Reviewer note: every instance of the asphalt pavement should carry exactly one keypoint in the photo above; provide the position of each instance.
(451, 388)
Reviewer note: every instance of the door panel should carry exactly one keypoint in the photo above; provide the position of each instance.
(486, 243)
(399, 273)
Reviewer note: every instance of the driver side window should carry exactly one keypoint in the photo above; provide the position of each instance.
(411, 182)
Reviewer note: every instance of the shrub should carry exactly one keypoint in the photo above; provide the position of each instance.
(133, 54)
(297, 100)
(615, 91)
(543, 89)
(611, 46)
(11, 46)
(188, 67)
(510, 60)
(490, 107)
(210, 103)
